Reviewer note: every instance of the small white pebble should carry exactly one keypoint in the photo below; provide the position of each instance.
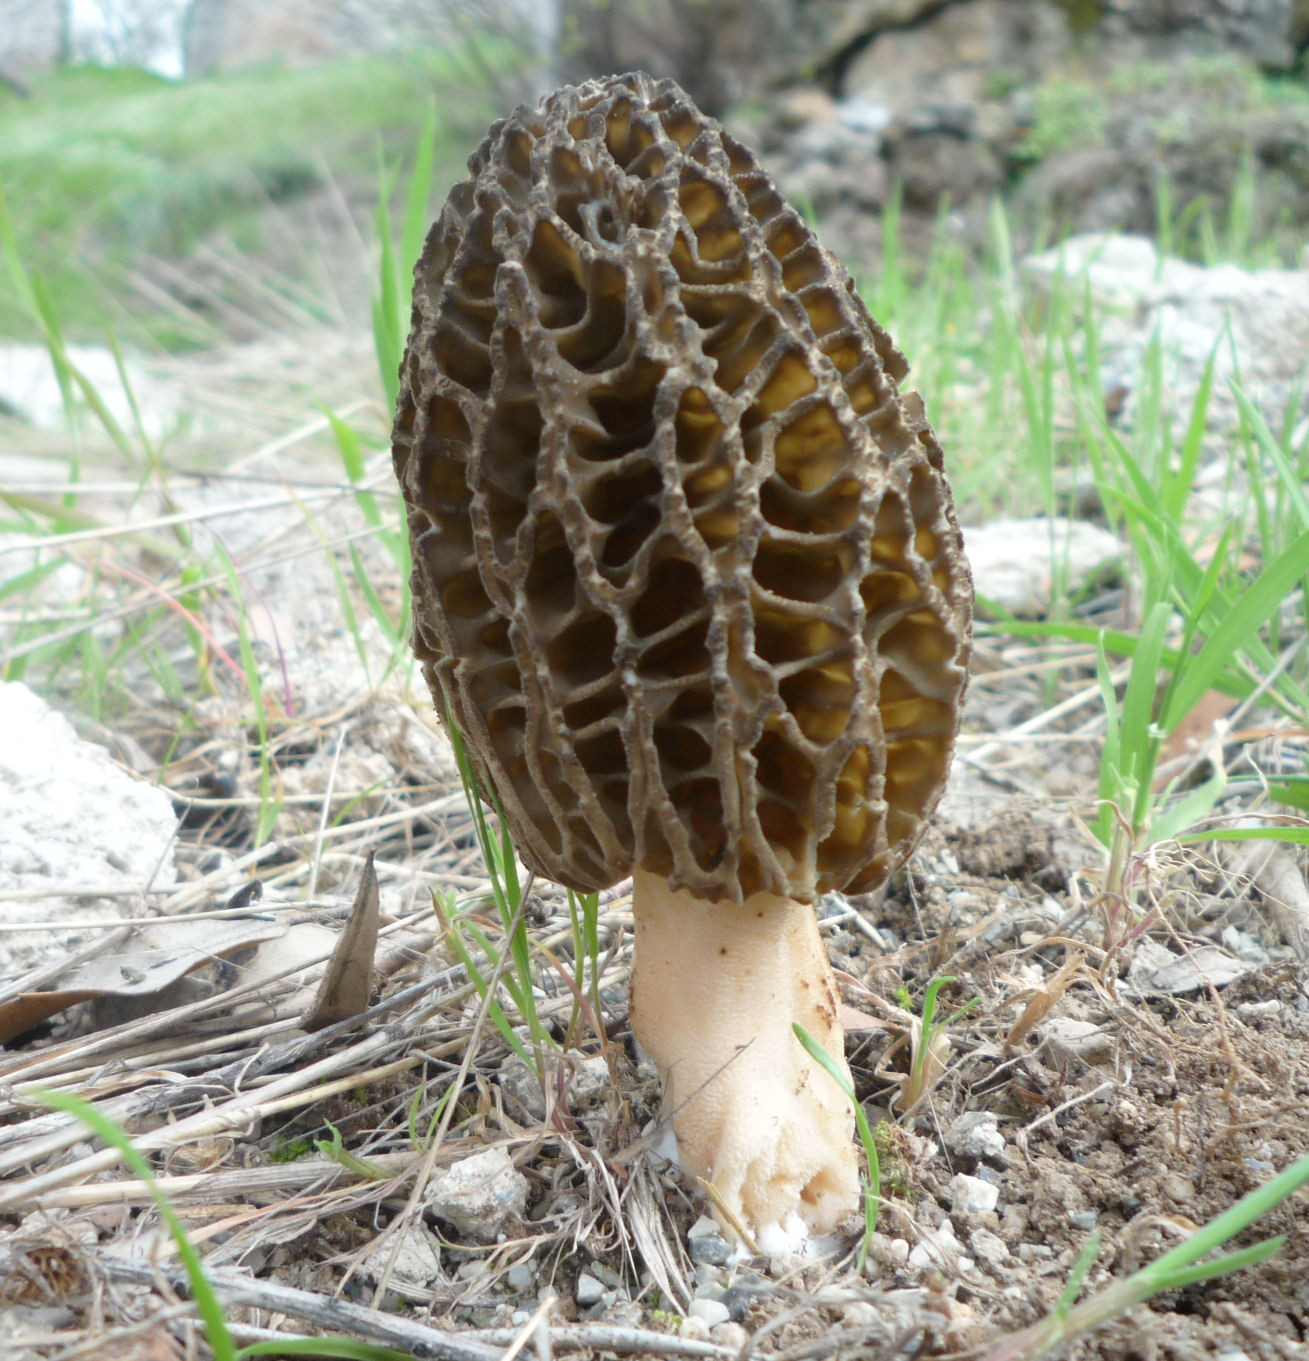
(694, 1328)
(972, 1195)
(990, 1247)
(976, 1134)
(521, 1277)
(707, 1284)
(936, 1247)
(589, 1290)
(730, 1335)
(898, 1250)
(709, 1312)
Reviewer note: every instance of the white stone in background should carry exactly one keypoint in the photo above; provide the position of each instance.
(1156, 969)
(988, 1246)
(70, 819)
(1067, 1039)
(417, 1258)
(1191, 308)
(1013, 560)
(589, 1290)
(29, 388)
(588, 1079)
(710, 1312)
(939, 1248)
(521, 1277)
(729, 1335)
(972, 1195)
(479, 1195)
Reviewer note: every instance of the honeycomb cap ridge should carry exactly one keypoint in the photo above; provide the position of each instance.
(686, 570)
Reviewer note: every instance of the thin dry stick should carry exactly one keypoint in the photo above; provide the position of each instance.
(323, 1311)
(181, 517)
(206, 1188)
(335, 1315)
(316, 860)
(231, 1116)
(977, 757)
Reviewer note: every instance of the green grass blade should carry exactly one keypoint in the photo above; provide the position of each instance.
(207, 1302)
(874, 1188)
(1242, 622)
(419, 193)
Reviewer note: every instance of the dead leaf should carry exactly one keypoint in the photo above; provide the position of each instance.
(1195, 731)
(348, 982)
(155, 956)
(1042, 999)
(856, 1022)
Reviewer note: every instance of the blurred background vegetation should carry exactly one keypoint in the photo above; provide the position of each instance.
(164, 161)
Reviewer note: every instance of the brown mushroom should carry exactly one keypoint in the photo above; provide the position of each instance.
(688, 578)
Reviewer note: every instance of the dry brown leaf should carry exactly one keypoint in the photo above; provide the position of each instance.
(1042, 999)
(348, 981)
(1195, 731)
(156, 955)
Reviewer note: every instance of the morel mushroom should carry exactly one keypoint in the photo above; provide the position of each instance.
(688, 578)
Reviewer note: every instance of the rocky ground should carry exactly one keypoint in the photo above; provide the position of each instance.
(1126, 1061)
(1127, 1066)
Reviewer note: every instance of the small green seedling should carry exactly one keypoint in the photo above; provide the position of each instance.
(873, 1188)
(929, 1045)
(1182, 1266)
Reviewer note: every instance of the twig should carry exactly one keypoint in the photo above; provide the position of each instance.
(336, 1315)
(323, 1311)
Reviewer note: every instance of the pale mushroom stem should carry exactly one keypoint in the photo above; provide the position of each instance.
(716, 989)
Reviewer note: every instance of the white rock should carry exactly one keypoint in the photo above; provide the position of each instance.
(523, 1087)
(975, 1134)
(710, 1312)
(1013, 560)
(972, 1195)
(696, 1329)
(1193, 310)
(589, 1290)
(1066, 1038)
(29, 387)
(1156, 969)
(990, 1247)
(520, 1277)
(938, 1248)
(417, 1259)
(588, 1079)
(70, 820)
(478, 1195)
(730, 1335)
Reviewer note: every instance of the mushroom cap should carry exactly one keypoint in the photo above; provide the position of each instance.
(686, 571)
